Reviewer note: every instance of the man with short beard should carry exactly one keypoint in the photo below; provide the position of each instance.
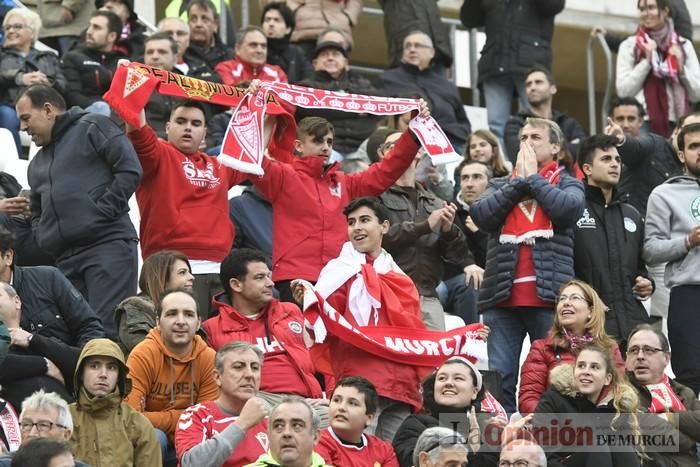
(89, 69)
(540, 89)
(608, 240)
(672, 235)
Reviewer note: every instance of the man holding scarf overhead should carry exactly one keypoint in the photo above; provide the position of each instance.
(529, 217)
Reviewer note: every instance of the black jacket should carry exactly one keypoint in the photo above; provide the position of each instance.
(571, 128)
(13, 66)
(446, 103)
(81, 184)
(414, 425)
(212, 57)
(291, 58)
(420, 252)
(553, 258)
(350, 129)
(518, 33)
(404, 16)
(53, 308)
(89, 73)
(555, 409)
(608, 255)
(477, 242)
(648, 162)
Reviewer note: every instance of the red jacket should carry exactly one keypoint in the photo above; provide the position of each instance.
(534, 374)
(374, 452)
(285, 323)
(183, 200)
(392, 380)
(236, 70)
(308, 226)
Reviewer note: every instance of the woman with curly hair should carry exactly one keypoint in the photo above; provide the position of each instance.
(579, 320)
(608, 405)
(136, 315)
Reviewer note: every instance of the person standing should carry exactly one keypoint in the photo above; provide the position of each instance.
(81, 180)
(672, 235)
(518, 37)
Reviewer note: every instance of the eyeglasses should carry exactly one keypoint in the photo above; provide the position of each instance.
(17, 26)
(517, 463)
(645, 349)
(415, 45)
(41, 427)
(574, 297)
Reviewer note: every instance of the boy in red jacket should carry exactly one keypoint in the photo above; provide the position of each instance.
(352, 409)
(308, 196)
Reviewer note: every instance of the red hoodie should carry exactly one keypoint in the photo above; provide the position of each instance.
(278, 332)
(183, 199)
(308, 225)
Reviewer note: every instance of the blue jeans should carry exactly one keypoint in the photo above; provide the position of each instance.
(167, 450)
(508, 329)
(498, 93)
(458, 299)
(9, 120)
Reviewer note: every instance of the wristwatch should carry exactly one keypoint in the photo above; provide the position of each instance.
(29, 339)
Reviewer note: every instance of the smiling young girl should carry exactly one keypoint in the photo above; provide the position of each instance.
(591, 394)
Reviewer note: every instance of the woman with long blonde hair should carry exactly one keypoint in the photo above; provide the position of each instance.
(579, 320)
(607, 403)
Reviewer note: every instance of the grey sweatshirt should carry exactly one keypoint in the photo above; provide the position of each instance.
(673, 210)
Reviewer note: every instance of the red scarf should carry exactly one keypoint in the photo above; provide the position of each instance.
(665, 71)
(409, 346)
(664, 398)
(527, 221)
(243, 145)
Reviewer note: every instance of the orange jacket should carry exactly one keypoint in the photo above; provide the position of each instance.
(164, 385)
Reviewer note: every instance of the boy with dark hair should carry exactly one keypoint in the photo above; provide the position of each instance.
(350, 284)
(352, 408)
(608, 240)
(183, 197)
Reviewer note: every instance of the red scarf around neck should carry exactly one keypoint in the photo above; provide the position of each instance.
(664, 398)
(527, 220)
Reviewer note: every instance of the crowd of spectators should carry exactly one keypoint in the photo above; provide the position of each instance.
(213, 354)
